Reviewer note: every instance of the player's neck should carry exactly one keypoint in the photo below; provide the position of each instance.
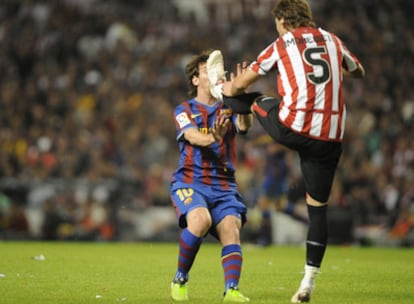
(206, 99)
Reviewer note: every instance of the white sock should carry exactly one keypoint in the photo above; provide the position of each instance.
(310, 275)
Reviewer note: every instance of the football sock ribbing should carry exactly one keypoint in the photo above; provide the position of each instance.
(231, 260)
(189, 246)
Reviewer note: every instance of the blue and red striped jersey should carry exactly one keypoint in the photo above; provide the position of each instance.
(213, 165)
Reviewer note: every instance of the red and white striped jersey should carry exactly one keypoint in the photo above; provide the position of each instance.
(309, 62)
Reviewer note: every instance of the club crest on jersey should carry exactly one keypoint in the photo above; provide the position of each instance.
(225, 112)
(182, 119)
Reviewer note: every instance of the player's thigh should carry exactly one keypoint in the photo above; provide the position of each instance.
(185, 199)
(266, 111)
(230, 204)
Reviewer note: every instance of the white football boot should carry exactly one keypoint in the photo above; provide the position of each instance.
(216, 74)
(303, 294)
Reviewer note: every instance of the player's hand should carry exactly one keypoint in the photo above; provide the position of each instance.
(220, 127)
(226, 90)
(240, 70)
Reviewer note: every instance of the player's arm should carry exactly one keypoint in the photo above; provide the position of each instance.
(188, 130)
(195, 137)
(351, 66)
(359, 72)
(217, 132)
(240, 81)
(243, 81)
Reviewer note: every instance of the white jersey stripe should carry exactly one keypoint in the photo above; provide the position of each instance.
(334, 126)
(299, 120)
(332, 51)
(316, 125)
(299, 70)
(288, 90)
(284, 113)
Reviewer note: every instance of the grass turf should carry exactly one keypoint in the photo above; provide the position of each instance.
(141, 273)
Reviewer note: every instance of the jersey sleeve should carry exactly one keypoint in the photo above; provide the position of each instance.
(266, 61)
(183, 121)
(349, 61)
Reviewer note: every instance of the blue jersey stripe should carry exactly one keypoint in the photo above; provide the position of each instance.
(213, 165)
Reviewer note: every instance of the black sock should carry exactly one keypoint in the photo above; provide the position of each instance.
(317, 238)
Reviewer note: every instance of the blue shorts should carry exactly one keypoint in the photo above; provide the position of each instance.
(220, 203)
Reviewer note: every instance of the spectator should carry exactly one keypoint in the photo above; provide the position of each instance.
(67, 83)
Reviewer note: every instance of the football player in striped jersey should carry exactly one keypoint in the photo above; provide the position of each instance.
(203, 188)
(309, 117)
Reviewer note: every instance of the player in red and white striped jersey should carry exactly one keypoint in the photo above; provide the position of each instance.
(310, 116)
(310, 64)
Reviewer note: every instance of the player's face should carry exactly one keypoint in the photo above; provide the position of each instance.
(203, 83)
(280, 27)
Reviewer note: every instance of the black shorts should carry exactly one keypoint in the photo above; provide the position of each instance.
(318, 159)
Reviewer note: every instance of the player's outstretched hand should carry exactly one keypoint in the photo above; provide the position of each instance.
(240, 69)
(220, 127)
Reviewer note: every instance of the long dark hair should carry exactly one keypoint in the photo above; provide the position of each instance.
(192, 69)
(296, 13)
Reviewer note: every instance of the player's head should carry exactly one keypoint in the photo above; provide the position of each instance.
(293, 13)
(193, 70)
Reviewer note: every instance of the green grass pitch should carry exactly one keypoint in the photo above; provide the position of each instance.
(101, 273)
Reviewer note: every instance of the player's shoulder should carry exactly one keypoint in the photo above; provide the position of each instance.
(326, 32)
(185, 105)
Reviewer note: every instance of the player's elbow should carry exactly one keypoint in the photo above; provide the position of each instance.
(359, 72)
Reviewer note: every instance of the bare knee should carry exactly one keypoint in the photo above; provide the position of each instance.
(229, 230)
(313, 202)
(199, 221)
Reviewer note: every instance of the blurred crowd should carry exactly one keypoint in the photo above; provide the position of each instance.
(88, 88)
